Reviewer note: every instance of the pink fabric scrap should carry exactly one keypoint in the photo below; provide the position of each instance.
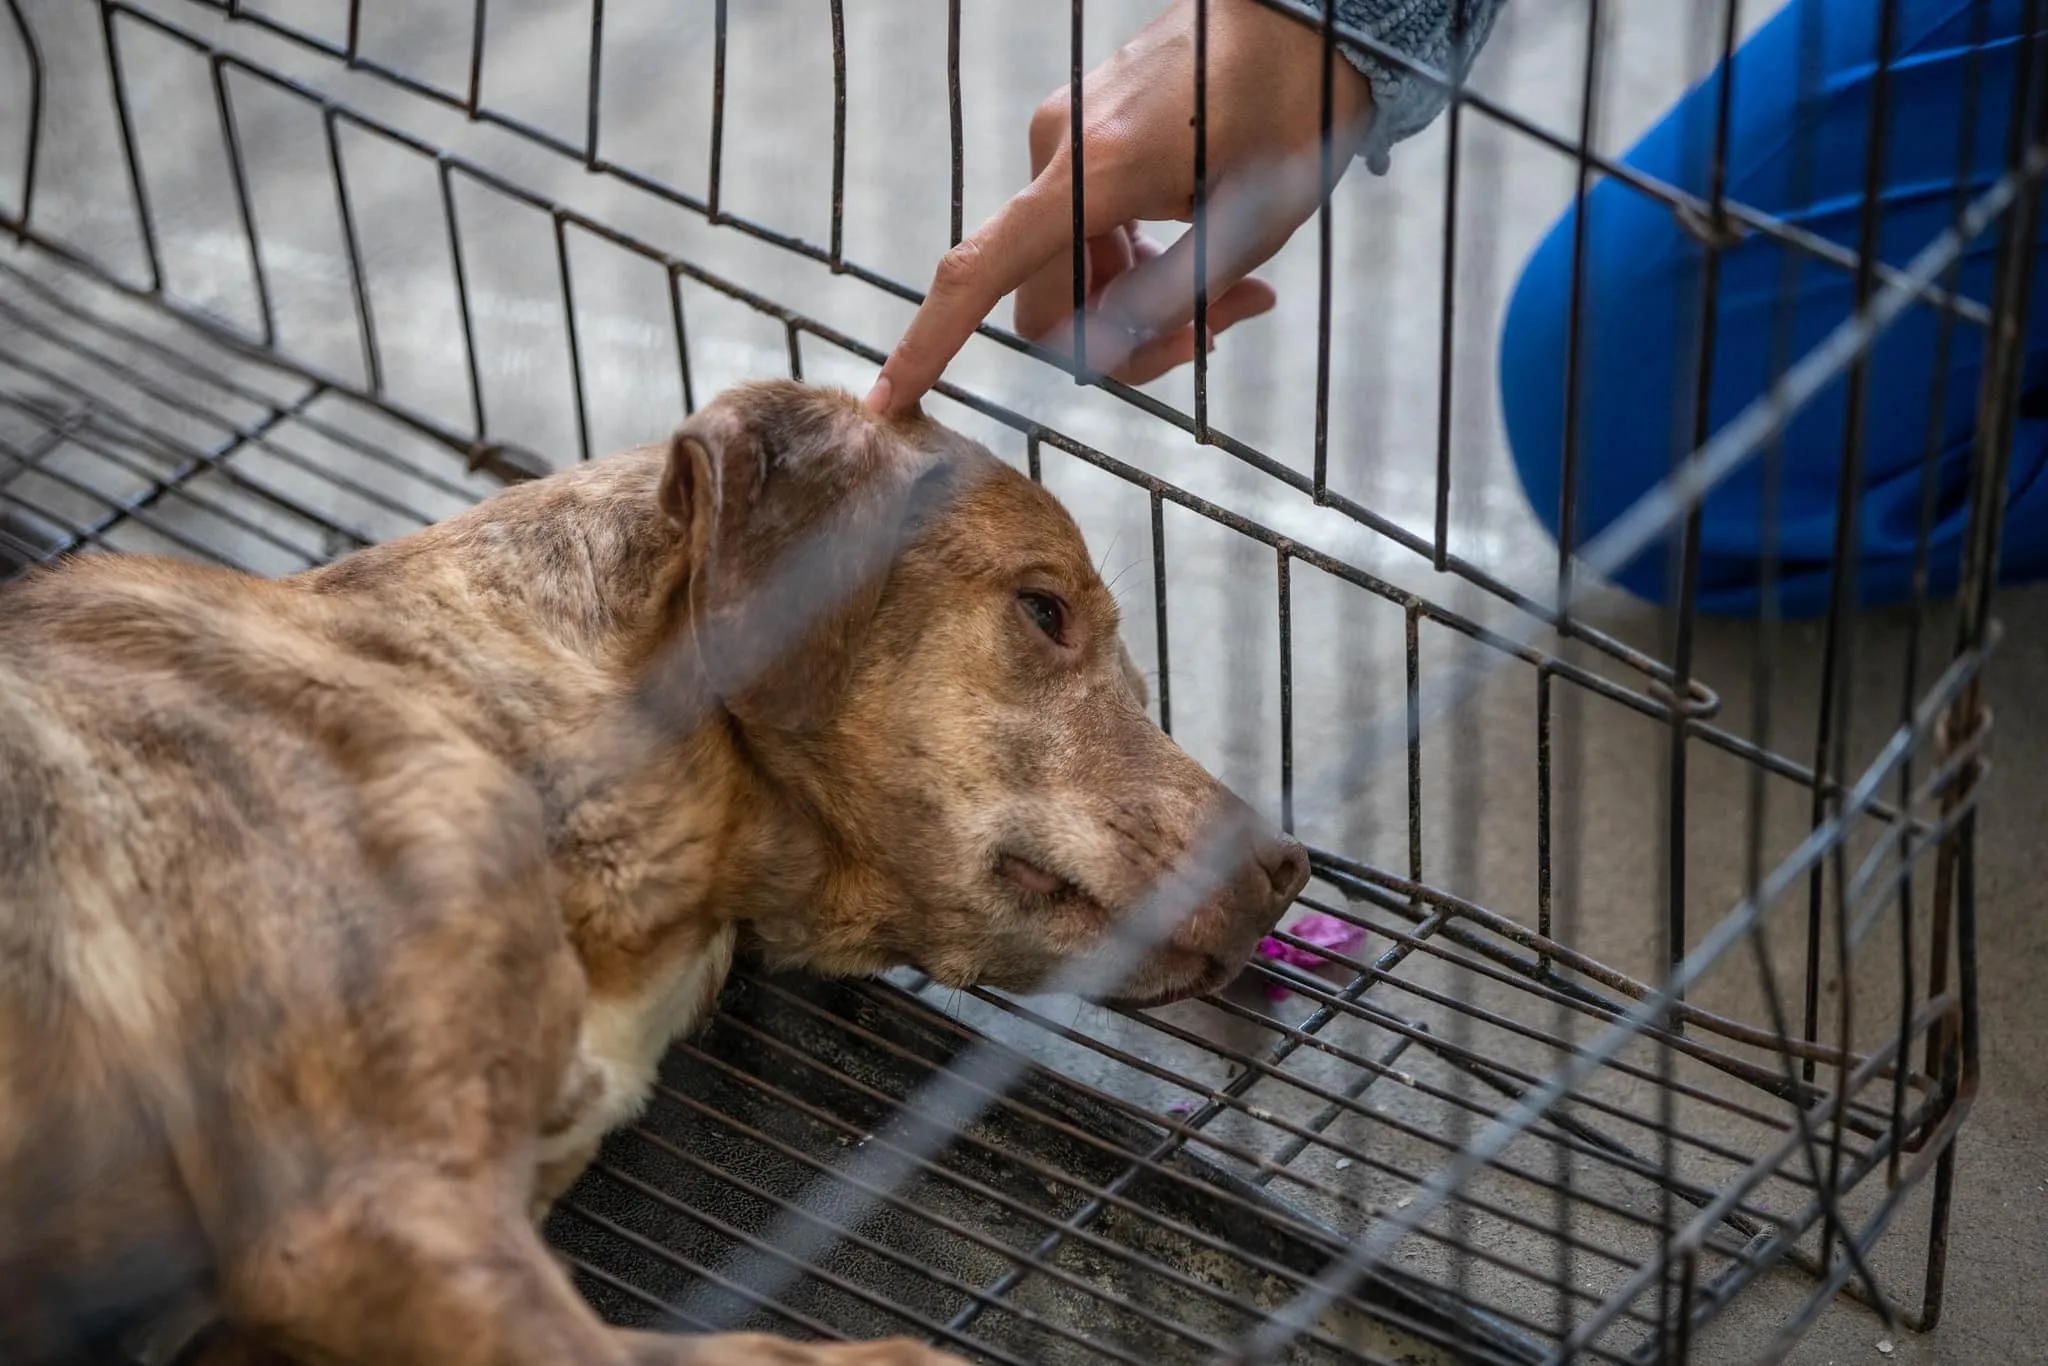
(1323, 931)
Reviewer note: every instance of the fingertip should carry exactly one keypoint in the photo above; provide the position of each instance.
(1160, 356)
(879, 397)
(1245, 300)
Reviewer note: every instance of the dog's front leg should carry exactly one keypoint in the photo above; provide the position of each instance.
(556, 1176)
(413, 1267)
(759, 1349)
(422, 1269)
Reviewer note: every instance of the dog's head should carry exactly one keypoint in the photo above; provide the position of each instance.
(916, 651)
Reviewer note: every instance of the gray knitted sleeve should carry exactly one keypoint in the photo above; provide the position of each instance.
(1441, 34)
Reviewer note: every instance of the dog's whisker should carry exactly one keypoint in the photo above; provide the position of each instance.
(1110, 549)
(1118, 578)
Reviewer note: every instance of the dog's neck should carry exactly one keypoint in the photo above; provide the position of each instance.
(564, 630)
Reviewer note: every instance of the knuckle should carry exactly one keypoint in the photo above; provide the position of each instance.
(1105, 133)
(959, 269)
(1051, 115)
(1048, 128)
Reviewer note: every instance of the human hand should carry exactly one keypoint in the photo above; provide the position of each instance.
(1264, 178)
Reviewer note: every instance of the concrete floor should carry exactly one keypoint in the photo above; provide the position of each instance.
(1349, 717)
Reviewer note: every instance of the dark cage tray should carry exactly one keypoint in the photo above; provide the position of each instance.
(1051, 1232)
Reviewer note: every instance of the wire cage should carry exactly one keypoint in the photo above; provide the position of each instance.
(1654, 982)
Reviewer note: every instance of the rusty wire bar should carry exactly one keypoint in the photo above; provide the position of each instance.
(953, 122)
(1077, 131)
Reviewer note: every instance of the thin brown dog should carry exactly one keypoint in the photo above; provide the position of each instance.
(342, 915)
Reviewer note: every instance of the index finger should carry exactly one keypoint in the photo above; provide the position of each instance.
(1035, 226)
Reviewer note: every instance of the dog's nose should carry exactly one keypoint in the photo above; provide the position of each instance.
(1285, 863)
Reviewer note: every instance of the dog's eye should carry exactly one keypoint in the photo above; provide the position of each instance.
(1047, 613)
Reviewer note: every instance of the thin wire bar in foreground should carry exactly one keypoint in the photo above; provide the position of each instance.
(680, 328)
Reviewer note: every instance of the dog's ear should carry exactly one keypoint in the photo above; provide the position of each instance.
(794, 504)
(693, 485)
(689, 494)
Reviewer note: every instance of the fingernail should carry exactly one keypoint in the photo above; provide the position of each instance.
(879, 396)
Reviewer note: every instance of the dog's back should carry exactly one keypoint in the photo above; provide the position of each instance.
(212, 824)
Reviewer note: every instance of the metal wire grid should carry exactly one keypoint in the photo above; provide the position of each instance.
(1685, 1163)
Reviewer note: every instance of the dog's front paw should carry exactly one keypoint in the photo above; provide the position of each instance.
(760, 1349)
(881, 1352)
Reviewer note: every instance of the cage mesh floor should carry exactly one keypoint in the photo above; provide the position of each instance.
(1050, 1232)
